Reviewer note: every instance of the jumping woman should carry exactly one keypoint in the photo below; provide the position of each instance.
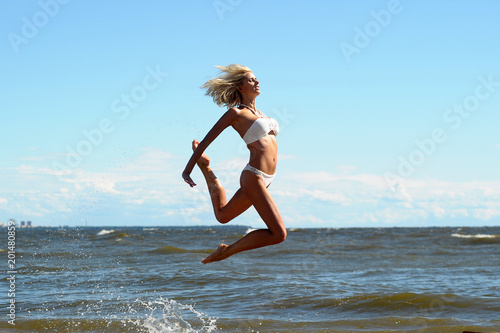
(237, 88)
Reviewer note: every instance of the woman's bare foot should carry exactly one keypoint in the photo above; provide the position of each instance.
(204, 160)
(217, 255)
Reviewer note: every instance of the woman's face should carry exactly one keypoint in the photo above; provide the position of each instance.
(250, 85)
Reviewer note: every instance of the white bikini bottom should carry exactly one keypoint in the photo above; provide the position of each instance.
(265, 177)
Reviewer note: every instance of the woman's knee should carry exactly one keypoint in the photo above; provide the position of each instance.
(226, 214)
(222, 218)
(279, 235)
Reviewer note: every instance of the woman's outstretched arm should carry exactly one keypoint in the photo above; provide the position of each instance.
(225, 121)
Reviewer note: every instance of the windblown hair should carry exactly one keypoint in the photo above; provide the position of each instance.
(224, 88)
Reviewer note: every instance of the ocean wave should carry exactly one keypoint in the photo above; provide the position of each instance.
(70, 325)
(35, 270)
(478, 239)
(381, 324)
(478, 236)
(294, 230)
(405, 303)
(113, 234)
(249, 230)
(397, 302)
(105, 232)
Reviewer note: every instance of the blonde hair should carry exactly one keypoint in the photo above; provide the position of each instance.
(224, 88)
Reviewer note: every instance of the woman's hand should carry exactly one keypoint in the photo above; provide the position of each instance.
(187, 179)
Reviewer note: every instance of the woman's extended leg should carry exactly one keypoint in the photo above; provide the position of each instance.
(253, 187)
(224, 211)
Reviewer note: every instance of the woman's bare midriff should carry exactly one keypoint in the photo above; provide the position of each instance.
(263, 154)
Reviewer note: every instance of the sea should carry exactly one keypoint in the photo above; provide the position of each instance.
(150, 279)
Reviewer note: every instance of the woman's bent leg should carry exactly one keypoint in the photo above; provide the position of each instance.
(253, 187)
(224, 211)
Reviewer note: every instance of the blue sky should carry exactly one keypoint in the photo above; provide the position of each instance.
(388, 110)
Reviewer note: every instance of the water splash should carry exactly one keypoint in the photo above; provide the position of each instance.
(171, 316)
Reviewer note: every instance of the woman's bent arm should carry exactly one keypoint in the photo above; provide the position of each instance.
(225, 121)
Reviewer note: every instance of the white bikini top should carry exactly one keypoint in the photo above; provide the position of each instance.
(260, 128)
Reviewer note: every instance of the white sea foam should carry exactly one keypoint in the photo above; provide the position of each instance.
(478, 236)
(171, 316)
(105, 232)
(249, 230)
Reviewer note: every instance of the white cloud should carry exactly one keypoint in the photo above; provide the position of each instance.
(346, 169)
(148, 186)
(364, 199)
(486, 214)
(146, 180)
